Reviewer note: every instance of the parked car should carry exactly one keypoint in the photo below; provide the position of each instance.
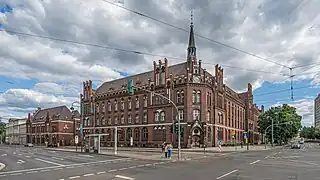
(295, 145)
(28, 145)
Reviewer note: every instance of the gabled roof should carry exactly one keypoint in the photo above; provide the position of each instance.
(60, 112)
(177, 69)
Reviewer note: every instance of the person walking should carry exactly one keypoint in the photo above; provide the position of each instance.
(163, 145)
(169, 150)
(166, 150)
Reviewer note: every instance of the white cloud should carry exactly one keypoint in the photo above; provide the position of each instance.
(268, 29)
(305, 108)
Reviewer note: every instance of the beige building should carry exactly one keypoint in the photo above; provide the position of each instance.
(16, 131)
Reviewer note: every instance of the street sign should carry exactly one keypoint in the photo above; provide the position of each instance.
(76, 139)
(233, 132)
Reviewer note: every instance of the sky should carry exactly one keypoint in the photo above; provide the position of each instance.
(262, 40)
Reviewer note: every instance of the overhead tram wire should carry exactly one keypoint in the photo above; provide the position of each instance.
(283, 90)
(201, 36)
(123, 50)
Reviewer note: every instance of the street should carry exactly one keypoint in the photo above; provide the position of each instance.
(279, 163)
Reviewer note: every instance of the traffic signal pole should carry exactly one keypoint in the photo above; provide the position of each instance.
(131, 92)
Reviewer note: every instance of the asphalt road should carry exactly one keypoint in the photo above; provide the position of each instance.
(277, 164)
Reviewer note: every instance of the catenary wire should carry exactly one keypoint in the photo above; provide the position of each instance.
(123, 50)
(201, 36)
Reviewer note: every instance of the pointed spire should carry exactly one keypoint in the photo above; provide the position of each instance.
(191, 36)
(192, 45)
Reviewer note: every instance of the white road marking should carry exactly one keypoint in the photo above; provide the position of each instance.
(28, 157)
(31, 172)
(132, 167)
(141, 165)
(3, 175)
(267, 157)
(64, 166)
(102, 172)
(4, 155)
(45, 170)
(254, 162)
(16, 174)
(121, 169)
(20, 154)
(57, 158)
(74, 177)
(49, 162)
(61, 179)
(124, 177)
(113, 170)
(2, 166)
(222, 176)
(14, 153)
(88, 175)
(21, 161)
(85, 155)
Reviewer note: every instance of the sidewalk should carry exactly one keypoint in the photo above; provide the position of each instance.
(207, 150)
(155, 153)
(132, 154)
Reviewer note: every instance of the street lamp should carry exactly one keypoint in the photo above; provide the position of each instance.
(272, 125)
(177, 118)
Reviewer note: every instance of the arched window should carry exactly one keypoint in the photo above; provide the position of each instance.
(129, 103)
(137, 118)
(194, 97)
(198, 97)
(97, 108)
(136, 134)
(145, 101)
(116, 105)
(156, 116)
(178, 97)
(129, 119)
(162, 116)
(122, 104)
(208, 116)
(182, 96)
(137, 102)
(122, 120)
(129, 133)
(145, 134)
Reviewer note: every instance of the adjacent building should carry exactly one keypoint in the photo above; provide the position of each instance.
(55, 126)
(16, 131)
(210, 112)
(317, 111)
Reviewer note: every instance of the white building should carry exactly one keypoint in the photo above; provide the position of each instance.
(16, 131)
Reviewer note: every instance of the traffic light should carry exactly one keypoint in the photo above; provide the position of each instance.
(130, 87)
(176, 127)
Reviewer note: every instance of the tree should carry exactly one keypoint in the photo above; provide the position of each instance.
(280, 115)
(310, 132)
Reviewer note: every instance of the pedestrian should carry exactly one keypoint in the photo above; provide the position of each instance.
(166, 150)
(162, 149)
(169, 150)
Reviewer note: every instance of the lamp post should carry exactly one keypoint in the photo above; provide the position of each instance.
(74, 123)
(272, 125)
(179, 124)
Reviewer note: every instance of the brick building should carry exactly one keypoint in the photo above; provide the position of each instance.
(53, 125)
(209, 110)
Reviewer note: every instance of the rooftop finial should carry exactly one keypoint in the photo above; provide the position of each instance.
(191, 17)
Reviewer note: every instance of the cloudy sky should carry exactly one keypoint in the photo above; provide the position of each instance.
(45, 72)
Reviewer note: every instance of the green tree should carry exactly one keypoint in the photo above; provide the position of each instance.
(310, 132)
(280, 115)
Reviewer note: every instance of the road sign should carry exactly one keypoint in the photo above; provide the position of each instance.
(131, 141)
(233, 132)
(76, 139)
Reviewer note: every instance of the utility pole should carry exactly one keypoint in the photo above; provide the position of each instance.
(272, 140)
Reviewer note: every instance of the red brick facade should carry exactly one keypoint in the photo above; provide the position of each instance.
(52, 125)
(208, 109)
